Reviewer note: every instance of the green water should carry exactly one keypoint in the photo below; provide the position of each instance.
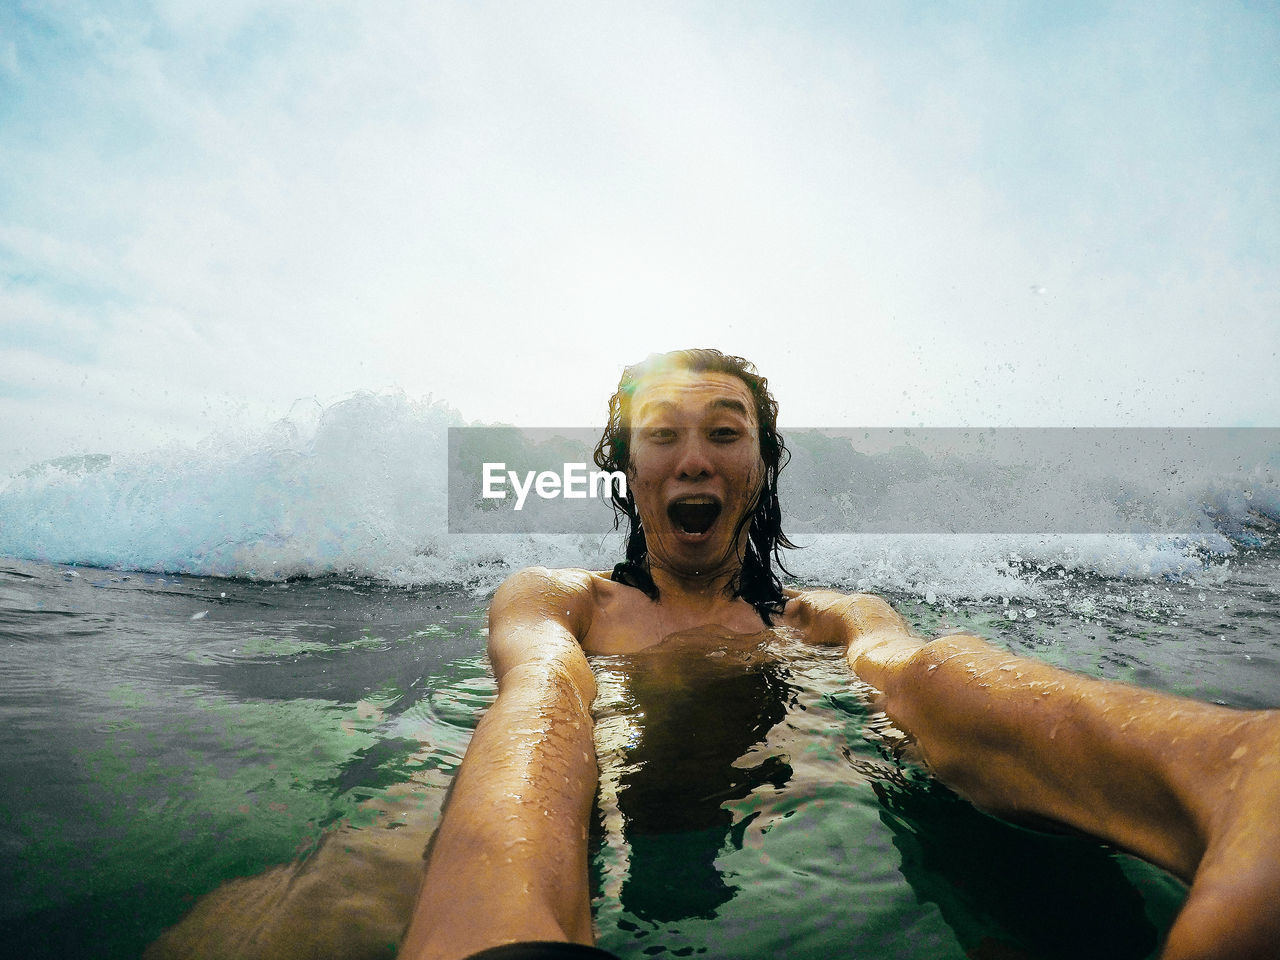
(814, 842)
(164, 735)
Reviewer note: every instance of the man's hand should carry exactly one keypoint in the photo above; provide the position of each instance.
(877, 640)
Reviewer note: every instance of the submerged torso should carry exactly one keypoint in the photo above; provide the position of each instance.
(681, 728)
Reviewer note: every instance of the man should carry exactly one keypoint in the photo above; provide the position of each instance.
(1188, 786)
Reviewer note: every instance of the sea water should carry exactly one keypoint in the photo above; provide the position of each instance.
(235, 680)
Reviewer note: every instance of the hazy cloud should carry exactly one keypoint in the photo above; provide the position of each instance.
(1000, 214)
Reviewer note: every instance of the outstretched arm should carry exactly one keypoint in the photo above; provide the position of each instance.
(1189, 786)
(509, 860)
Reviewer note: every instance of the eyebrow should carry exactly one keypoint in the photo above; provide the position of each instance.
(731, 403)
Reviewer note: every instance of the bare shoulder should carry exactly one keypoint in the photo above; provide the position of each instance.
(564, 596)
(540, 615)
(534, 584)
(829, 617)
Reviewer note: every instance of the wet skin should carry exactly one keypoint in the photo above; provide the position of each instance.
(1189, 786)
(694, 437)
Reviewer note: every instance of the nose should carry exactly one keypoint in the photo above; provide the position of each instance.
(694, 461)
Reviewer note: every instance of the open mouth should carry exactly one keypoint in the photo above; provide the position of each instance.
(694, 514)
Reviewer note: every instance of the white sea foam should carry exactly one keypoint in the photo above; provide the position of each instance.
(360, 489)
(950, 567)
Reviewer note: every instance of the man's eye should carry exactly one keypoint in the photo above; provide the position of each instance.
(660, 435)
(725, 434)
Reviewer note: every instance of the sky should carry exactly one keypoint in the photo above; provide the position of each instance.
(940, 214)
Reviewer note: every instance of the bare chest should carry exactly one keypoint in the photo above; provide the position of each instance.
(627, 621)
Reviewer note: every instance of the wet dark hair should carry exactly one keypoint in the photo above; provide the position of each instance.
(756, 582)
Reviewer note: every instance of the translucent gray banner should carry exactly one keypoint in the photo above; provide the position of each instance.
(906, 480)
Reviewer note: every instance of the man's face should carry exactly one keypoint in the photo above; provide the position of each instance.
(695, 467)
